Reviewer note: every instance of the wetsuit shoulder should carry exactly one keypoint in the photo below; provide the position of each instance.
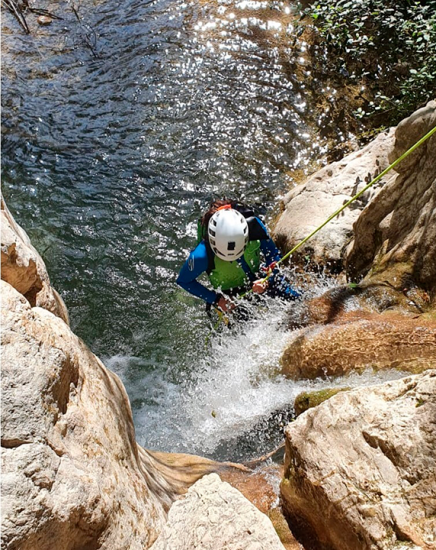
(256, 229)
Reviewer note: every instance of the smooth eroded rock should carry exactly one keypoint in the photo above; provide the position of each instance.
(72, 474)
(309, 205)
(23, 268)
(357, 341)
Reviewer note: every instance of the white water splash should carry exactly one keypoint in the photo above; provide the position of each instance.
(232, 392)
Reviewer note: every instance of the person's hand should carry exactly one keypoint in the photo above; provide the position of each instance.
(259, 286)
(225, 305)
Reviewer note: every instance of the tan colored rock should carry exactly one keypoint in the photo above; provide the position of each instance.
(72, 474)
(309, 205)
(257, 481)
(360, 468)
(23, 268)
(213, 515)
(395, 236)
(357, 341)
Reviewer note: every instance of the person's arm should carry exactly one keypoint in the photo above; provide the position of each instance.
(195, 265)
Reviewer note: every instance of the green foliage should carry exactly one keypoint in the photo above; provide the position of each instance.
(388, 45)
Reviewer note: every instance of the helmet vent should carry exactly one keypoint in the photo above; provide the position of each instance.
(231, 246)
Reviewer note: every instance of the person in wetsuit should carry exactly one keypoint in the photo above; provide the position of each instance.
(233, 243)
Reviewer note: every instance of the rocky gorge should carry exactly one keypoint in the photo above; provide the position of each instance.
(359, 468)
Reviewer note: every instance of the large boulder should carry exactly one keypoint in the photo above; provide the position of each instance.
(23, 268)
(214, 515)
(358, 340)
(72, 474)
(360, 468)
(389, 234)
(395, 236)
(309, 205)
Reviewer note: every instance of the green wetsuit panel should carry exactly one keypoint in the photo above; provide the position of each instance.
(227, 275)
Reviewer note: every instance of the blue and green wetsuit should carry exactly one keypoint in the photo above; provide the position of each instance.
(238, 275)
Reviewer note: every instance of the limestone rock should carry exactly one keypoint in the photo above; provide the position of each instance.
(72, 474)
(23, 268)
(309, 205)
(356, 341)
(360, 468)
(213, 515)
(395, 236)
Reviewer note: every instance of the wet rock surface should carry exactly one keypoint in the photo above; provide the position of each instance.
(359, 469)
(307, 400)
(357, 341)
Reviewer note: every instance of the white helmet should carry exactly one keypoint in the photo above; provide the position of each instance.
(228, 234)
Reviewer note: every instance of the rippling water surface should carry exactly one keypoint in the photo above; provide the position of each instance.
(118, 130)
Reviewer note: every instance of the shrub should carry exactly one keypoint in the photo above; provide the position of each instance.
(388, 46)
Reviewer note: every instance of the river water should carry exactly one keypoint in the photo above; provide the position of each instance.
(118, 129)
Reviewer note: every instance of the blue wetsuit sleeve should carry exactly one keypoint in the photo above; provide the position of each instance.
(269, 249)
(195, 265)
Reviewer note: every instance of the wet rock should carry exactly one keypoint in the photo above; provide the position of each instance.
(359, 469)
(309, 205)
(324, 309)
(395, 236)
(349, 329)
(364, 298)
(215, 515)
(257, 481)
(282, 529)
(23, 268)
(358, 341)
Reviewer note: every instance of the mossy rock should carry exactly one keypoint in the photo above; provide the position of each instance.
(307, 400)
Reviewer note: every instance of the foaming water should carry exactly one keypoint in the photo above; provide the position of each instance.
(230, 387)
(232, 402)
